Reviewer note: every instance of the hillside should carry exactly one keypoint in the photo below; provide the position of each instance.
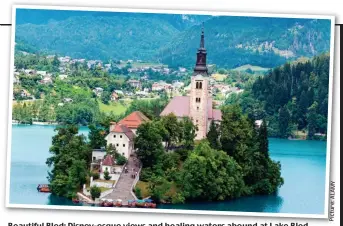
(173, 39)
(292, 98)
(235, 41)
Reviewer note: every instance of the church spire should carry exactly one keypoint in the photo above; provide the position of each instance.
(202, 40)
(200, 65)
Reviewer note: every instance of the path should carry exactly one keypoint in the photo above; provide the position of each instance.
(123, 188)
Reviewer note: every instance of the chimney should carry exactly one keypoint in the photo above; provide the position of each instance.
(112, 125)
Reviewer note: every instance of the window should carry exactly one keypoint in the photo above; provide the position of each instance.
(114, 136)
(94, 158)
(198, 85)
(121, 136)
(123, 145)
(198, 108)
(197, 99)
(117, 145)
(123, 153)
(197, 120)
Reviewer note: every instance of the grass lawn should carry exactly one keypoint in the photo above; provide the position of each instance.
(144, 186)
(218, 77)
(116, 107)
(251, 67)
(102, 189)
(28, 102)
(105, 181)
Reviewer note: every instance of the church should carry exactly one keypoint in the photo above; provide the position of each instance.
(198, 106)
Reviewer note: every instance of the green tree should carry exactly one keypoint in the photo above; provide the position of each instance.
(158, 187)
(149, 143)
(213, 136)
(96, 137)
(207, 167)
(187, 133)
(107, 175)
(284, 119)
(235, 130)
(95, 192)
(69, 161)
(312, 119)
(173, 128)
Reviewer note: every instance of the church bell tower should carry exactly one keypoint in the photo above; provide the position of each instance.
(199, 96)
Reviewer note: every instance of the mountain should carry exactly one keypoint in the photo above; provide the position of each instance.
(236, 41)
(172, 38)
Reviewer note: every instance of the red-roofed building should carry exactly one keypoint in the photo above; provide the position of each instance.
(199, 105)
(134, 120)
(121, 134)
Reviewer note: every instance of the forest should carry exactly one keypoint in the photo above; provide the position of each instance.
(292, 98)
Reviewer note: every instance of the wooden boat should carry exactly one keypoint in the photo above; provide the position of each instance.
(43, 188)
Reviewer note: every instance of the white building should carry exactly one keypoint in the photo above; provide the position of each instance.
(121, 134)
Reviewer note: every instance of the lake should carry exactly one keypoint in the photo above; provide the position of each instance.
(303, 169)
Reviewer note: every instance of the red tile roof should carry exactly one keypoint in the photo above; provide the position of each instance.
(179, 106)
(120, 128)
(108, 161)
(134, 120)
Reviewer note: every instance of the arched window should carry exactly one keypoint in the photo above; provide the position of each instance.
(197, 85)
(200, 85)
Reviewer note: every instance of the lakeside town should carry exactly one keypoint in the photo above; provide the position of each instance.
(139, 87)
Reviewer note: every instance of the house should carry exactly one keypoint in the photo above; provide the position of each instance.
(108, 164)
(42, 73)
(121, 134)
(142, 93)
(258, 123)
(119, 92)
(62, 77)
(114, 96)
(178, 85)
(134, 120)
(67, 100)
(98, 155)
(98, 91)
(199, 105)
(121, 137)
(158, 86)
(24, 93)
(134, 83)
(46, 80)
(30, 72)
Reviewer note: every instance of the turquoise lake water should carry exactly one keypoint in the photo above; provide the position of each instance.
(303, 169)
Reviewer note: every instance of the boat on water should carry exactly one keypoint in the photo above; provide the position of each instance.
(43, 188)
(145, 203)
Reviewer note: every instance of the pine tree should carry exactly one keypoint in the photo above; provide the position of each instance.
(263, 139)
(284, 119)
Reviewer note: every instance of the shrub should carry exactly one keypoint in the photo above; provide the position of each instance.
(95, 192)
(138, 193)
(107, 175)
(95, 175)
(120, 160)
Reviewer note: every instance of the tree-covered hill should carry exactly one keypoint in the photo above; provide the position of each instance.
(236, 41)
(114, 37)
(173, 39)
(293, 97)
